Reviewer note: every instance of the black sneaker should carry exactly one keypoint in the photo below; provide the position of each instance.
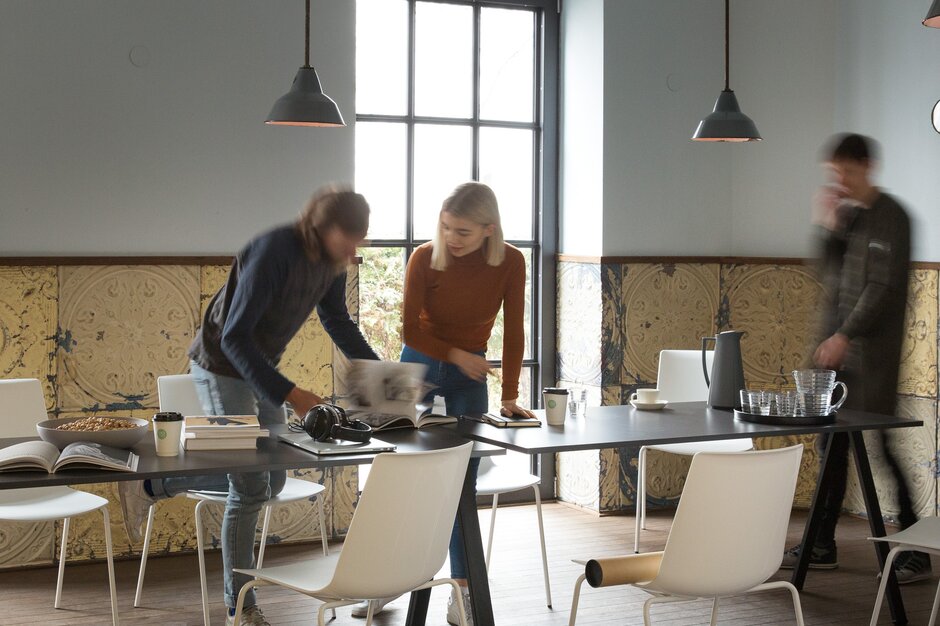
(819, 558)
(912, 567)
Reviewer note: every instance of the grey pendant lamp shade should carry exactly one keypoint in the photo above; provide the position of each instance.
(933, 15)
(726, 122)
(305, 104)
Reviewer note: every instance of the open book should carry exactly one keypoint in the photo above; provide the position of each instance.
(385, 395)
(42, 455)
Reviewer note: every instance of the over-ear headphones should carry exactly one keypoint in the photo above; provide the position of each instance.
(328, 421)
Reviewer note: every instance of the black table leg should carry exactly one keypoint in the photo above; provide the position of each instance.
(476, 565)
(813, 523)
(877, 525)
(477, 578)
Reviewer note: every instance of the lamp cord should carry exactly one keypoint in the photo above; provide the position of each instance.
(307, 39)
(727, 41)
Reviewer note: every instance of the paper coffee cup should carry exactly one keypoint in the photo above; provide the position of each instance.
(167, 430)
(555, 401)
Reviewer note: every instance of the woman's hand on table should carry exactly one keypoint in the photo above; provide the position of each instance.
(510, 408)
(471, 365)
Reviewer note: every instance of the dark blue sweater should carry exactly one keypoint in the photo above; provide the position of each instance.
(272, 289)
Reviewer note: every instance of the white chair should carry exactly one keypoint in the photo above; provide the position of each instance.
(727, 538)
(494, 480)
(924, 536)
(680, 379)
(397, 541)
(21, 407)
(178, 393)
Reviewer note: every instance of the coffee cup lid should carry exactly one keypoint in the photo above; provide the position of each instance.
(167, 416)
(558, 391)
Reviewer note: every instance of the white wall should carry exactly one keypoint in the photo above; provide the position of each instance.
(888, 80)
(663, 193)
(582, 128)
(99, 156)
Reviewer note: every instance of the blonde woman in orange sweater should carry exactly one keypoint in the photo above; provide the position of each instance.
(455, 286)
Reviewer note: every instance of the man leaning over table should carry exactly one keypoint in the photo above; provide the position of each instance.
(866, 250)
(273, 286)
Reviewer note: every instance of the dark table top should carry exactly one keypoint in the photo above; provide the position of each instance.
(271, 454)
(621, 426)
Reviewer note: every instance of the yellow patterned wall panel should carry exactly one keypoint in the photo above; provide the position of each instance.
(121, 327)
(28, 314)
(918, 375)
(665, 306)
(777, 307)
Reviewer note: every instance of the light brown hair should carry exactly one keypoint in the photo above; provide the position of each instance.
(332, 206)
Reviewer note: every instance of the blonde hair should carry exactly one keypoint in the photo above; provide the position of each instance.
(475, 202)
(332, 205)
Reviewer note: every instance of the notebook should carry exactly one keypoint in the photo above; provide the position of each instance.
(331, 448)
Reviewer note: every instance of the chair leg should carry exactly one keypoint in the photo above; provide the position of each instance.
(714, 619)
(107, 541)
(889, 563)
(143, 557)
(58, 585)
(797, 606)
(240, 602)
(323, 537)
(461, 609)
(538, 511)
(640, 499)
(489, 541)
(264, 535)
(646, 611)
(936, 605)
(200, 550)
(370, 612)
(574, 601)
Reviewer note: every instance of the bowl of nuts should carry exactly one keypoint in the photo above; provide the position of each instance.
(117, 432)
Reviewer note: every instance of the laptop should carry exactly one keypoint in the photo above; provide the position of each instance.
(332, 448)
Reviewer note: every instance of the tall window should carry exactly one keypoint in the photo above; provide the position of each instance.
(448, 92)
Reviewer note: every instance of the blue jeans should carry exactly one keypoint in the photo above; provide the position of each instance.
(461, 395)
(247, 493)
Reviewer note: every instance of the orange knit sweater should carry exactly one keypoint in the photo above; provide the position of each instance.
(456, 308)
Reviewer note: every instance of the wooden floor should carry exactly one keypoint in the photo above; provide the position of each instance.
(171, 596)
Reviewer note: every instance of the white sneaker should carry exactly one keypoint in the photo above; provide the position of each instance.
(252, 616)
(135, 504)
(453, 609)
(362, 609)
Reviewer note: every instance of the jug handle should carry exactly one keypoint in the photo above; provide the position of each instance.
(705, 341)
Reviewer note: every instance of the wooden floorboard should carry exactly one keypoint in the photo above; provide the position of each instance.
(171, 594)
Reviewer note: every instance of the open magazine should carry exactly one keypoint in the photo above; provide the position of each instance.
(42, 455)
(386, 394)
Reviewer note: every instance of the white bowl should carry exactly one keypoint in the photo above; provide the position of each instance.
(121, 438)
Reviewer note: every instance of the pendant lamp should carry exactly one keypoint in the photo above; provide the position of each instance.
(726, 122)
(305, 104)
(933, 15)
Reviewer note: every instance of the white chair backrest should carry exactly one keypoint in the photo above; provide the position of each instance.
(680, 377)
(178, 393)
(400, 531)
(730, 529)
(22, 406)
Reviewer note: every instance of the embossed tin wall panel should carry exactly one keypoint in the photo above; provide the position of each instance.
(665, 306)
(579, 322)
(918, 375)
(26, 543)
(28, 317)
(120, 328)
(578, 475)
(777, 306)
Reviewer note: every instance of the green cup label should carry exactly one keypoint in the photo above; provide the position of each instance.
(552, 404)
(161, 434)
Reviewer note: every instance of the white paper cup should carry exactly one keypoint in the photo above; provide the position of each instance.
(646, 396)
(167, 430)
(555, 401)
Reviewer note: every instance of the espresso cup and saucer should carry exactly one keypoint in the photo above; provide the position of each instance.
(647, 400)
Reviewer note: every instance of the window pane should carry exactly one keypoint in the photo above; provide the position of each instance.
(506, 165)
(381, 174)
(494, 348)
(494, 385)
(443, 157)
(443, 60)
(382, 56)
(381, 285)
(507, 64)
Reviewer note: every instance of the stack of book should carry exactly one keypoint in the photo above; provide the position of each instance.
(222, 432)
